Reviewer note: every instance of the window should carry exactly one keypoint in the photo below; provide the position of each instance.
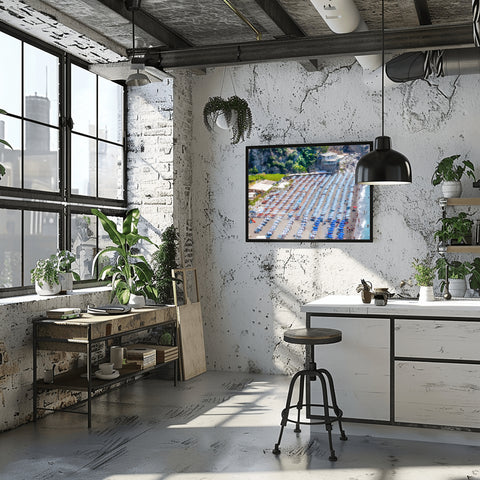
(66, 128)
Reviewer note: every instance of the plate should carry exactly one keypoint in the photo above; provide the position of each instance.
(107, 376)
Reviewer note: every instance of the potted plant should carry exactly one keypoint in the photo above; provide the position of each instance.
(455, 230)
(449, 175)
(425, 273)
(164, 261)
(233, 113)
(65, 260)
(49, 273)
(130, 273)
(474, 279)
(457, 273)
(2, 168)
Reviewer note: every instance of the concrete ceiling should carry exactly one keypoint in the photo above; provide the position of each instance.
(201, 33)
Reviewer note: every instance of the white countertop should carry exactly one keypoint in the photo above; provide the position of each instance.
(352, 304)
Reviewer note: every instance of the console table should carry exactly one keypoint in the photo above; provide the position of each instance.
(81, 334)
(405, 363)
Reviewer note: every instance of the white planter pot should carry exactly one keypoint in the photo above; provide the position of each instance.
(451, 189)
(66, 282)
(47, 289)
(136, 301)
(426, 294)
(222, 121)
(457, 287)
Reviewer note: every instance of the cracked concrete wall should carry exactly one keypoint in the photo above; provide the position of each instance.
(252, 292)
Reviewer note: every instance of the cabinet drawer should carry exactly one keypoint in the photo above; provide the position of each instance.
(437, 339)
(437, 393)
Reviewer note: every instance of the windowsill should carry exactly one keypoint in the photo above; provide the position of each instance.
(38, 298)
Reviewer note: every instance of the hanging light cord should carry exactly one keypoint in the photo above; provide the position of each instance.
(133, 33)
(383, 68)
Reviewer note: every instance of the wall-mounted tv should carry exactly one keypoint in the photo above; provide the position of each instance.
(299, 193)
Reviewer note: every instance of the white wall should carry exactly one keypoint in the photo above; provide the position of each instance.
(252, 292)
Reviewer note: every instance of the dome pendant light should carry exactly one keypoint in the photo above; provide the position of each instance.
(383, 166)
(135, 79)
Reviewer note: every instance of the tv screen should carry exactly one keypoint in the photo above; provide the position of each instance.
(307, 193)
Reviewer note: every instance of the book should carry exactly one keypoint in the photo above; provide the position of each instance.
(63, 313)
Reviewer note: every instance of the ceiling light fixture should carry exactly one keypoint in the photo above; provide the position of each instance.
(383, 166)
(135, 79)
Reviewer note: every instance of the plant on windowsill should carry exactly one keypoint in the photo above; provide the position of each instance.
(425, 273)
(232, 113)
(130, 274)
(4, 142)
(449, 175)
(164, 261)
(47, 274)
(455, 230)
(457, 273)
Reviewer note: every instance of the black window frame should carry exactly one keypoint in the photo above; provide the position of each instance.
(62, 202)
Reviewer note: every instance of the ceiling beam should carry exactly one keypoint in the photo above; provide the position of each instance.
(423, 13)
(431, 37)
(149, 24)
(287, 25)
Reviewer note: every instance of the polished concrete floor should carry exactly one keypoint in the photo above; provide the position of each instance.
(219, 426)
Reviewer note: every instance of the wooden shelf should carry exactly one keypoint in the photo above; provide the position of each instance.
(463, 201)
(463, 248)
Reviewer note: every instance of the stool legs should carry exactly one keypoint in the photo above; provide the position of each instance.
(327, 384)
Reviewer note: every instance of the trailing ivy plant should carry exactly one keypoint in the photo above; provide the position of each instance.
(2, 168)
(164, 261)
(130, 272)
(237, 115)
(447, 171)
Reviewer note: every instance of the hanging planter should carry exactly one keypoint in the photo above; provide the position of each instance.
(234, 113)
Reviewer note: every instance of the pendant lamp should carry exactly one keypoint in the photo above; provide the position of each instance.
(383, 166)
(135, 79)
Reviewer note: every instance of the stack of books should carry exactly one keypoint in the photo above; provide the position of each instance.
(64, 313)
(140, 356)
(165, 353)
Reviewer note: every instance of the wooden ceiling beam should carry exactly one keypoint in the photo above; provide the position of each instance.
(423, 13)
(431, 37)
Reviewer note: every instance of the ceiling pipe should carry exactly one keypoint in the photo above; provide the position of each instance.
(342, 16)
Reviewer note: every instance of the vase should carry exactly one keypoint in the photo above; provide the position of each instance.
(47, 289)
(66, 282)
(457, 287)
(426, 294)
(451, 189)
(136, 301)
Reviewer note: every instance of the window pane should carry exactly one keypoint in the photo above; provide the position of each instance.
(41, 158)
(41, 233)
(110, 171)
(10, 248)
(110, 110)
(11, 159)
(41, 85)
(84, 101)
(84, 229)
(84, 166)
(11, 77)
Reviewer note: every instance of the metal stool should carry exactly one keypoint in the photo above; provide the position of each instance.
(311, 337)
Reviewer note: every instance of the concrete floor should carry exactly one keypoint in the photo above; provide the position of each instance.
(218, 426)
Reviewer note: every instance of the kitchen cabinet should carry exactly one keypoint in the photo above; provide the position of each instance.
(86, 334)
(413, 364)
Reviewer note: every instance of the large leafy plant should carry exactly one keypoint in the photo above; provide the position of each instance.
(2, 168)
(447, 171)
(456, 229)
(130, 273)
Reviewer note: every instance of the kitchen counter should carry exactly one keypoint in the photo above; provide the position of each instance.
(405, 363)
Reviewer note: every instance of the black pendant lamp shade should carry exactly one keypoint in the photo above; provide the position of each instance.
(383, 166)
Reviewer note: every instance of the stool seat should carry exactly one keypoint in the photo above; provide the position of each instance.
(312, 336)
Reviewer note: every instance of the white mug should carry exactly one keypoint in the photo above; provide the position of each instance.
(116, 356)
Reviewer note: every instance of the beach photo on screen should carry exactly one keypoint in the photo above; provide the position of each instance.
(307, 193)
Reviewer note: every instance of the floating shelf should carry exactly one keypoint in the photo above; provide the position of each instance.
(463, 248)
(463, 201)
